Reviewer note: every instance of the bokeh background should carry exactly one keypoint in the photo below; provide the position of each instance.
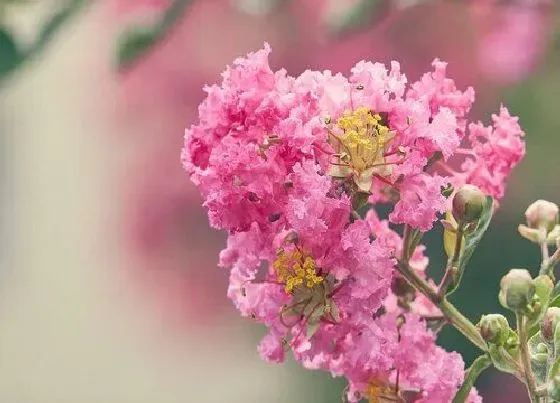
(109, 289)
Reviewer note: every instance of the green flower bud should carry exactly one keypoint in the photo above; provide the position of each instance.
(549, 323)
(517, 290)
(494, 328)
(468, 203)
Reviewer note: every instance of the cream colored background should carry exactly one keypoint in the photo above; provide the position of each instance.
(71, 330)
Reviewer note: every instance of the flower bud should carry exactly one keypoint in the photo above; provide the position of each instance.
(517, 290)
(468, 203)
(549, 323)
(542, 213)
(494, 328)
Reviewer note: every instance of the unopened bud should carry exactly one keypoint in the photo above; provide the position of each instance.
(468, 203)
(517, 290)
(549, 323)
(494, 329)
(542, 214)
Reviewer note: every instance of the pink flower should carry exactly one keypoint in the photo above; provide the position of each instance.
(496, 151)
(513, 27)
(420, 201)
(281, 163)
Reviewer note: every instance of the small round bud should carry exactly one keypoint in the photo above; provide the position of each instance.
(549, 323)
(494, 328)
(517, 290)
(542, 213)
(468, 203)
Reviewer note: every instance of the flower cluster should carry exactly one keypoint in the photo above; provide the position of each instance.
(285, 164)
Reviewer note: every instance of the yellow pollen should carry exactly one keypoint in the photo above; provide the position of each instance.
(363, 138)
(296, 269)
(379, 391)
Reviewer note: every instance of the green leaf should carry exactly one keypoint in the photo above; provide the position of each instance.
(10, 56)
(472, 239)
(359, 16)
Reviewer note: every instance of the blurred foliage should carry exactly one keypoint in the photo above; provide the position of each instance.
(138, 40)
(360, 16)
(13, 57)
(10, 56)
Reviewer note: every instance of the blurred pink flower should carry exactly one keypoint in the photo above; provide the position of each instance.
(166, 238)
(515, 37)
(164, 228)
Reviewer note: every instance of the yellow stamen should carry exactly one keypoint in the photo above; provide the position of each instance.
(364, 137)
(296, 269)
(379, 391)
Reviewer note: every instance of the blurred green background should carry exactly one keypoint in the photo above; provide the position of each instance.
(109, 290)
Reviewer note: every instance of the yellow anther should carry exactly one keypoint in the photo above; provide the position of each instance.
(363, 138)
(379, 391)
(295, 270)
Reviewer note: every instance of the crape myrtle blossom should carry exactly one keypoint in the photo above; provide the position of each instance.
(283, 163)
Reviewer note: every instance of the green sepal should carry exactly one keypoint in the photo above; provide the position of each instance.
(450, 235)
(538, 351)
(504, 359)
(543, 290)
(472, 239)
(360, 200)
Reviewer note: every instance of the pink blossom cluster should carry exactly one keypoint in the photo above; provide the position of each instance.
(282, 163)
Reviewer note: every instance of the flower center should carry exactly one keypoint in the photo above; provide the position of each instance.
(364, 138)
(360, 139)
(296, 270)
(379, 391)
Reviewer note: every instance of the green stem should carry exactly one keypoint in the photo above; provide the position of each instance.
(453, 316)
(471, 375)
(525, 358)
(548, 263)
